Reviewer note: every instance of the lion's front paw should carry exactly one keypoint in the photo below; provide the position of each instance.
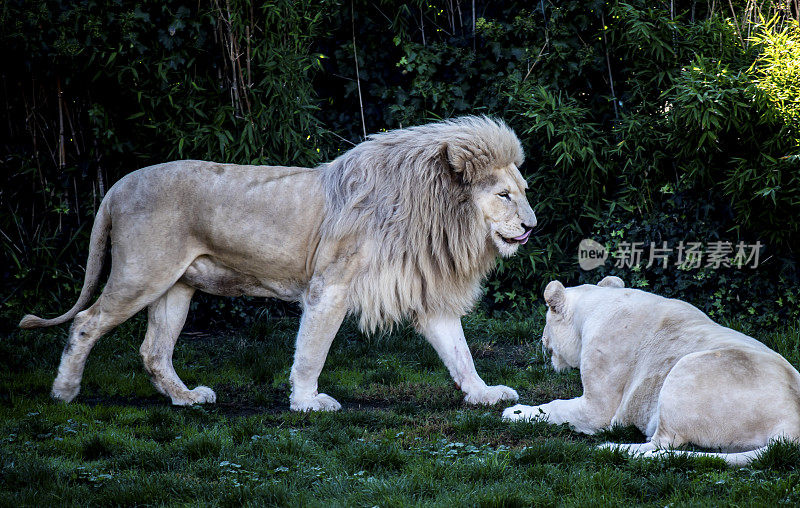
(319, 402)
(491, 395)
(200, 395)
(522, 412)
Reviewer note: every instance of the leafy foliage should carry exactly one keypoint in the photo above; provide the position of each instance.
(631, 113)
(778, 67)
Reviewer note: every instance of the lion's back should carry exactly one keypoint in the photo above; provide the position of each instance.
(249, 212)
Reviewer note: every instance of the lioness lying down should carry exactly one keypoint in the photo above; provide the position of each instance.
(665, 367)
(403, 226)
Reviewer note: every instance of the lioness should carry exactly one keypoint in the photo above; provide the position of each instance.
(665, 367)
(403, 226)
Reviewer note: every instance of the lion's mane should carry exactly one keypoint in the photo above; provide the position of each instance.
(409, 192)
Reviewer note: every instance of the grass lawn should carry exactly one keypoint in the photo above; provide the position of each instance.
(404, 437)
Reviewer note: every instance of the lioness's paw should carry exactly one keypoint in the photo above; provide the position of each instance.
(492, 395)
(200, 395)
(522, 412)
(635, 449)
(319, 402)
(64, 392)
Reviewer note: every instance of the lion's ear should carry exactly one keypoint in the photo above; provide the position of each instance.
(460, 160)
(556, 296)
(451, 158)
(611, 282)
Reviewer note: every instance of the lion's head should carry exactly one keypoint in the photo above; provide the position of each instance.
(437, 203)
(561, 337)
(490, 167)
(508, 216)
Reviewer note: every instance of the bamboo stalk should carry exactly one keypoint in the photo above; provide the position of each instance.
(736, 23)
(473, 26)
(243, 86)
(30, 115)
(249, 74)
(608, 63)
(223, 46)
(358, 77)
(100, 183)
(422, 25)
(72, 130)
(8, 109)
(544, 46)
(234, 59)
(77, 203)
(451, 16)
(62, 155)
(538, 57)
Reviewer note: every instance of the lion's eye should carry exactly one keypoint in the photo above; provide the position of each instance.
(504, 194)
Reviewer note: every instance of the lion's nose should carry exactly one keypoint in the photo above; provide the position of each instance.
(530, 223)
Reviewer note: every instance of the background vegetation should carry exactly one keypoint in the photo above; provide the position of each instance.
(642, 121)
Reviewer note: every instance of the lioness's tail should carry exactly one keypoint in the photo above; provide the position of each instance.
(649, 450)
(97, 252)
(734, 459)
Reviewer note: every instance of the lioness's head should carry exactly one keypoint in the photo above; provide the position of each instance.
(488, 161)
(561, 337)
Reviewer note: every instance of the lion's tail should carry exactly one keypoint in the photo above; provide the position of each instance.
(94, 264)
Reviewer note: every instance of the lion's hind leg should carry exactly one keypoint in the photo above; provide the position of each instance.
(86, 330)
(165, 319)
(116, 304)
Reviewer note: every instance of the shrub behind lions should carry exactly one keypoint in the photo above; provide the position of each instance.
(403, 226)
(662, 365)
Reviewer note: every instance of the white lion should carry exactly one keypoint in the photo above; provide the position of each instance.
(403, 226)
(663, 365)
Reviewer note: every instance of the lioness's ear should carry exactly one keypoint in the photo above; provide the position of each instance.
(611, 282)
(555, 295)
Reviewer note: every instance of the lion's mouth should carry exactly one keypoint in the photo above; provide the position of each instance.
(521, 239)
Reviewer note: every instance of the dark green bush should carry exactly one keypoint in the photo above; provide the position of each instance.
(663, 121)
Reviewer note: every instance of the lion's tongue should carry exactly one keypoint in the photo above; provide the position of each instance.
(523, 237)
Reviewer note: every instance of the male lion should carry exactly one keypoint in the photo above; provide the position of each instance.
(665, 367)
(403, 226)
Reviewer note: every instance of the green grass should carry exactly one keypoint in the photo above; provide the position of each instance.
(403, 438)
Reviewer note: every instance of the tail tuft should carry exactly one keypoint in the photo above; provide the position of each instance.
(31, 321)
